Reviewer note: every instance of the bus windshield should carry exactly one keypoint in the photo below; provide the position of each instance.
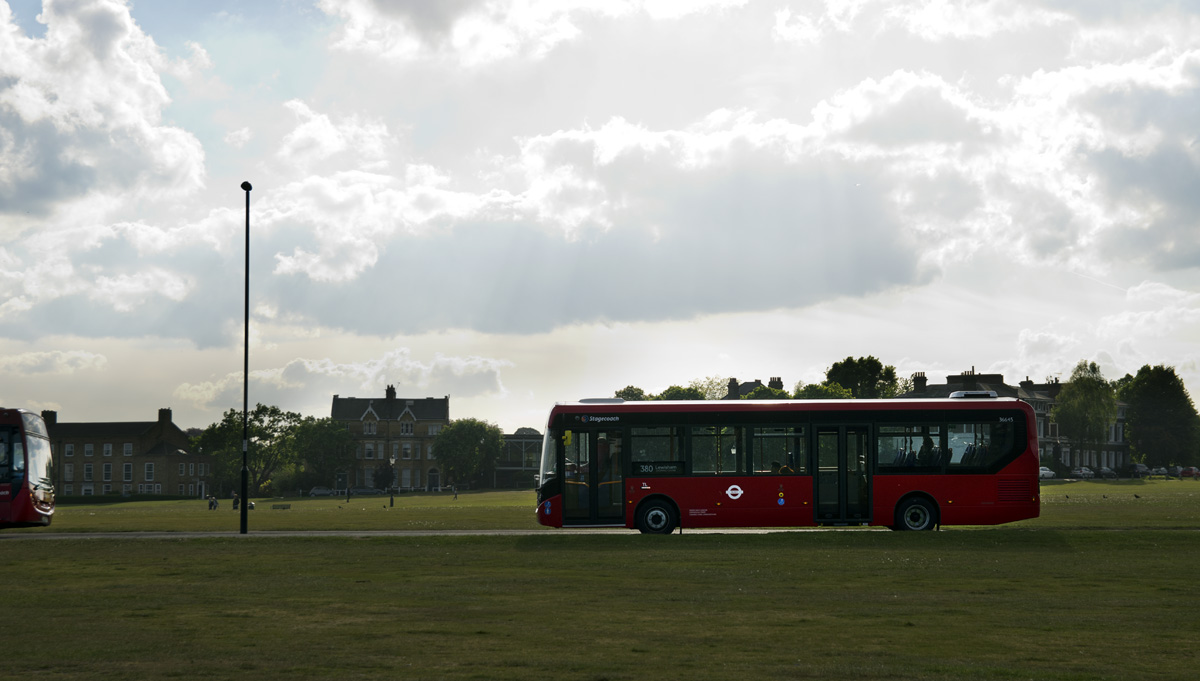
(549, 467)
(40, 460)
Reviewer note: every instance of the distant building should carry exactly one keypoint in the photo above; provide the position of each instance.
(130, 457)
(390, 429)
(737, 391)
(519, 460)
(1113, 453)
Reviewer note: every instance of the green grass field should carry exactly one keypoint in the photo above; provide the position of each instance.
(1100, 587)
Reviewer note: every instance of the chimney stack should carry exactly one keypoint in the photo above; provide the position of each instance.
(919, 382)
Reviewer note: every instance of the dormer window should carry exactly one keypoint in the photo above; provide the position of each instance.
(370, 427)
(406, 427)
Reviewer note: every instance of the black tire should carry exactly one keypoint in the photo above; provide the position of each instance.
(657, 516)
(916, 514)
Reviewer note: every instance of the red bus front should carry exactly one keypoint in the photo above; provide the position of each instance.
(26, 490)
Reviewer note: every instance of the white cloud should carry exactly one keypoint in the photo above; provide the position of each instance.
(318, 137)
(63, 362)
(238, 138)
(81, 114)
(126, 293)
(463, 376)
(475, 33)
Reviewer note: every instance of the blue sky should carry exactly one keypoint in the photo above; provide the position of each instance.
(517, 203)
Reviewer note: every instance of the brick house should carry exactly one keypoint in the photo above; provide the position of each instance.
(126, 457)
(392, 427)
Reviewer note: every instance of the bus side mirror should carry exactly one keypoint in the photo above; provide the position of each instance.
(567, 438)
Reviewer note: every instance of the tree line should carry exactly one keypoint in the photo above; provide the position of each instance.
(288, 451)
(1162, 426)
(862, 378)
(1161, 423)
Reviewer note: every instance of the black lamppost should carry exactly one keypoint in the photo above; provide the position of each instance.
(246, 378)
(392, 482)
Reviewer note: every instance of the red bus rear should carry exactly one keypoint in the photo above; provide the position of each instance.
(26, 490)
(903, 464)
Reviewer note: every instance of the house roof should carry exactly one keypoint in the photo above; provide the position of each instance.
(385, 409)
(106, 430)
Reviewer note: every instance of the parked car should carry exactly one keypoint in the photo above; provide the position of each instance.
(1045, 473)
(1190, 472)
(1106, 472)
(1082, 472)
(320, 492)
(1138, 470)
(1159, 471)
(364, 491)
(1175, 472)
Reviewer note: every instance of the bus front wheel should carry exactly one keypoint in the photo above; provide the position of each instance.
(656, 516)
(916, 514)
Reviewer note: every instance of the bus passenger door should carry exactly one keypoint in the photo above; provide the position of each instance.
(843, 479)
(593, 487)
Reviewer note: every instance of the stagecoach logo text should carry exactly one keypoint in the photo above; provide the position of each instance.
(599, 419)
(734, 492)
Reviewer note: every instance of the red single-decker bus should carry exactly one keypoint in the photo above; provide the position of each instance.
(26, 487)
(903, 464)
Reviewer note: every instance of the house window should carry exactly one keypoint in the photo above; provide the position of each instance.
(200, 470)
(87, 450)
(181, 489)
(70, 490)
(182, 468)
(107, 489)
(369, 427)
(69, 450)
(369, 448)
(87, 472)
(107, 472)
(68, 472)
(127, 472)
(429, 453)
(149, 472)
(128, 449)
(406, 428)
(88, 490)
(107, 448)
(191, 469)
(407, 451)
(433, 430)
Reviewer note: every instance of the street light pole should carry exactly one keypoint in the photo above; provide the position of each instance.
(246, 378)
(392, 482)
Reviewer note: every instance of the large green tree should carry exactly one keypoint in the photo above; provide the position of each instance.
(712, 387)
(1161, 423)
(1086, 406)
(865, 377)
(467, 450)
(821, 391)
(271, 451)
(324, 448)
(765, 392)
(676, 392)
(631, 393)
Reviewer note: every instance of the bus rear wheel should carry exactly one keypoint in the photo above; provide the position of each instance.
(916, 514)
(656, 516)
